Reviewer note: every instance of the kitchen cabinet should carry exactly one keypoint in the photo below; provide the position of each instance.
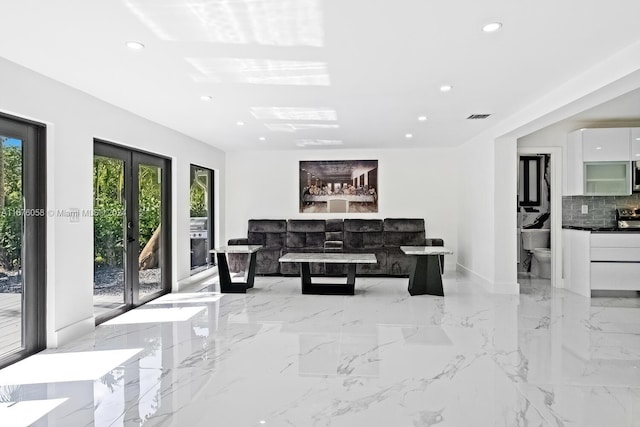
(615, 261)
(606, 145)
(599, 162)
(607, 178)
(635, 144)
(600, 261)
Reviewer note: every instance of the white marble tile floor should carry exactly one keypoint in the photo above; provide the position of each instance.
(275, 357)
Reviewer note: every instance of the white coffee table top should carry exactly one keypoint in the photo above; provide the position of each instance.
(338, 258)
(425, 250)
(237, 249)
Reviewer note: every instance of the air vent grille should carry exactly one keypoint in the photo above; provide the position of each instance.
(478, 116)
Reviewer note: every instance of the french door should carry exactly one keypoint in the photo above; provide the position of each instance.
(22, 238)
(132, 228)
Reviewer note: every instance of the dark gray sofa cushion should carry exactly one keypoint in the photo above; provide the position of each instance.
(336, 225)
(403, 232)
(365, 236)
(362, 233)
(305, 233)
(270, 233)
(267, 226)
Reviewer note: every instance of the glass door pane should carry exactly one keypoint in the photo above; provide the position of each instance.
(109, 223)
(11, 235)
(149, 226)
(200, 224)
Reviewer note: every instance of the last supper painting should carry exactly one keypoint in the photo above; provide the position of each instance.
(339, 186)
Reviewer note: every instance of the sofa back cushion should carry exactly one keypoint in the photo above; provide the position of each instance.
(403, 232)
(334, 230)
(305, 233)
(362, 233)
(269, 233)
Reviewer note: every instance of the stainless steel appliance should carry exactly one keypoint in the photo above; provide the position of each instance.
(198, 232)
(635, 177)
(628, 218)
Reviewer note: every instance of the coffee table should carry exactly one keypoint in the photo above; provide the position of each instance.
(426, 276)
(226, 285)
(339, 258)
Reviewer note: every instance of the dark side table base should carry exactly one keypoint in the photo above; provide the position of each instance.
(426, 277)
(229, 287)
(327, 288)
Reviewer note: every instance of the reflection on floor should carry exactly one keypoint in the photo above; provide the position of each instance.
(275, 357)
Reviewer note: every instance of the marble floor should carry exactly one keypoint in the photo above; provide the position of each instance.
(274, 357)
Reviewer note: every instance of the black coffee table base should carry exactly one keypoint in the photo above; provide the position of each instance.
(426, 277)
(347, 288)
(229, 287)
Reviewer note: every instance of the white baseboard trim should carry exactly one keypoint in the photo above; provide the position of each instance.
(488, 285)
(71, 332)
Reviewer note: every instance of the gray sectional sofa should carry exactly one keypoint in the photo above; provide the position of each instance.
(383, 237)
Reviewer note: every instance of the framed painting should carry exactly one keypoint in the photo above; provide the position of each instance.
(338, 186)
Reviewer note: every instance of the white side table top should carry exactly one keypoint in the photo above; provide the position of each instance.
(237, 249)
(425, 250)
(334, 257)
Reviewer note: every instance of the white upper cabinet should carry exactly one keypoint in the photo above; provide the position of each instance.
(606, 145)
(635, 144)
(599, 161)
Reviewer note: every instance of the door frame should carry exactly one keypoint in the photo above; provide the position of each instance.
(132, 158)
(555, 165)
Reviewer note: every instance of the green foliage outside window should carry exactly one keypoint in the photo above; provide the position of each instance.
(11, 203)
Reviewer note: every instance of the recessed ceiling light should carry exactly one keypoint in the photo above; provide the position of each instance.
(206, 97)
(135, 45)
(422, 118)
(408, 135)
(598, 148)
(446, 88)
(637, 139)
(262, 138)
(491, 27)
(240, 123)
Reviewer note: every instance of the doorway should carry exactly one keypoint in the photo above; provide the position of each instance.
(554, 221)
(132, 228)
(22, 238)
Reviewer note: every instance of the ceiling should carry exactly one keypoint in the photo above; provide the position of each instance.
(303, 74)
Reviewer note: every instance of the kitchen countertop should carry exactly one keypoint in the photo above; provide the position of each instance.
(595, 229)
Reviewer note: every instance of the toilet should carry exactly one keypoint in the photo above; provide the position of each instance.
(536, 242)
(541, 263)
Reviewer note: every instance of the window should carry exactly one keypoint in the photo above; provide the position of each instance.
(201, 218)
(529, 177)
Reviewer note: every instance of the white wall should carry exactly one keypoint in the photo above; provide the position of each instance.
(412, 183)
(488, 164)
(73, 120)
(476, 235)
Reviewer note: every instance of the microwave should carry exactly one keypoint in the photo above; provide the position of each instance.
(635, 177)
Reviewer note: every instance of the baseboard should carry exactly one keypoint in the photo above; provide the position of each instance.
(71, 332)
(488, 285)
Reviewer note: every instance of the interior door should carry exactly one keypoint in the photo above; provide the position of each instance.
(131, 228)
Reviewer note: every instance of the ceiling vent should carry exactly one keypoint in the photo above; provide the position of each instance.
(478, 116)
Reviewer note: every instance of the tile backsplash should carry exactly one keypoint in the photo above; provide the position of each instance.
(601, 209)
